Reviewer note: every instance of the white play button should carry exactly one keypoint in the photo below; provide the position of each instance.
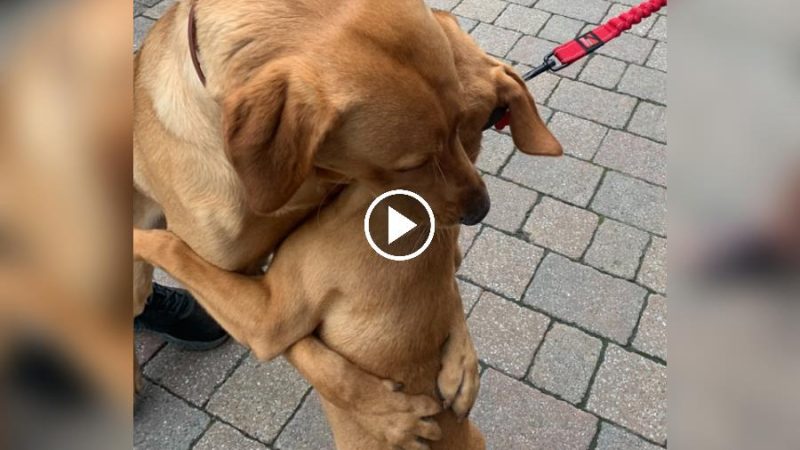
(399, 225)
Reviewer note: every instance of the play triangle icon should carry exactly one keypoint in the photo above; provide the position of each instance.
(399, 225)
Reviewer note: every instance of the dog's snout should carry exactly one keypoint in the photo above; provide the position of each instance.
(477, 207)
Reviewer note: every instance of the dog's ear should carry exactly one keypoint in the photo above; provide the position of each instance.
(273, 127)
(527, 127)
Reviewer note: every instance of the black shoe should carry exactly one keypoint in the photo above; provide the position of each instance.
(175, 315)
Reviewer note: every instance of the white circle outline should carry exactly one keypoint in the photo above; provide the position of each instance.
(392, 194)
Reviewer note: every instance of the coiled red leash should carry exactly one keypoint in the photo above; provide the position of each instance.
(568, 53)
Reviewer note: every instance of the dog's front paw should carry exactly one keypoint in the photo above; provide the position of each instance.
(400, 420)
(459, 378)
(147, 243)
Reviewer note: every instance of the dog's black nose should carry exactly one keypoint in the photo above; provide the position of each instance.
(477, 208)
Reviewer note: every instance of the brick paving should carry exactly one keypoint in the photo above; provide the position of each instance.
(564, 283)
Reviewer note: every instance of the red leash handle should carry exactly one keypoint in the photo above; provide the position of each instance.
(591, 41)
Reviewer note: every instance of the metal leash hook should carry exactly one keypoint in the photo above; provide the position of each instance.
(566, 54)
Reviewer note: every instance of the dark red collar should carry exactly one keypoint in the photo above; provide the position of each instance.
(193, 44)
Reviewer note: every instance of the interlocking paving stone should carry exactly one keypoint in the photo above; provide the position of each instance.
(561, 227)
(469, 294)
(138, 8)
(444, 5)
(467, 24)
(615, 438)
(628, 47)
(639, 29)
(566, 178)
(635, 156)
(524, 2)
(162, 420)
(193, 375)
(579, 137)
(501, 263)
(148, 2)
(591, 11)
(603, 71)
(565, 363)
(466, 237)
(159, 9)
(506, 334)
(561, 29)
(494, 40)
(542, 86)
(483, 10)
(308, 429)
(633, 202)
(617, 249)
(524, 20)
(631, 390)
(651, 121)
(495, 149)
(259, 398)
(580, 294)
(651, 336)
(510, 204)
(653, 273)
(646, 83)
(593, 103)
(141, 25)
(220, 436)
(147, 344)
(658, 58)
(659, 30)
(514, 416)
(544, 112)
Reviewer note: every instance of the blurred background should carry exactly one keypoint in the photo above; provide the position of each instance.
(65, 179)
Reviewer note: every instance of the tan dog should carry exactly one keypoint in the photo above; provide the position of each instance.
(390, 318)
(235, 164)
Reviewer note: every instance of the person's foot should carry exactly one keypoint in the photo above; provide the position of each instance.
(175, 315)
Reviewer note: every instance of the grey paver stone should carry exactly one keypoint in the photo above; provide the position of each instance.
(615, 438)
(148, 3)
(510, 204)
(544, 112)
(141, 25)
(494, 40)
(147, 344)
(651, 121)
(651, 336)
(506, 334)
(591, 11)
(514, 416)
(561, 227)
(308, 429)
(469, 294)
(603, 71)
(658, 58)
(501, 263)
(466, 23)
(565, 178)
(524, 2)
(162, 420)
(653, 273)
(632, 391)
(561, 29)
(565, 362)
(525, 20)
(159, 9)
(617, 249)
(542, 86)
(259, 398)
(639, 29)
(646, 83)
(628, 47)
(138, 8)
(635, 156)
(466, 237)
(580, 294)
(579, 137)
(659, 30)
(194, 375)
(495, 149)
(444, 5)
(590, 102)
(220, 436)
(482, 10)
(633, 202)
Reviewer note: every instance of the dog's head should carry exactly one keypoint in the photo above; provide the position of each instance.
(390, 110)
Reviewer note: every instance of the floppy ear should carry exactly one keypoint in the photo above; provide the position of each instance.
(273, 127)
(527, 128)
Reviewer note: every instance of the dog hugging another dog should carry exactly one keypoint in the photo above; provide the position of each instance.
(268, 126)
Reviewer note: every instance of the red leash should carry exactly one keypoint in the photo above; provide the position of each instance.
(568, 53)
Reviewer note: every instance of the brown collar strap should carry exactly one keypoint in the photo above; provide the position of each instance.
(193, 45)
